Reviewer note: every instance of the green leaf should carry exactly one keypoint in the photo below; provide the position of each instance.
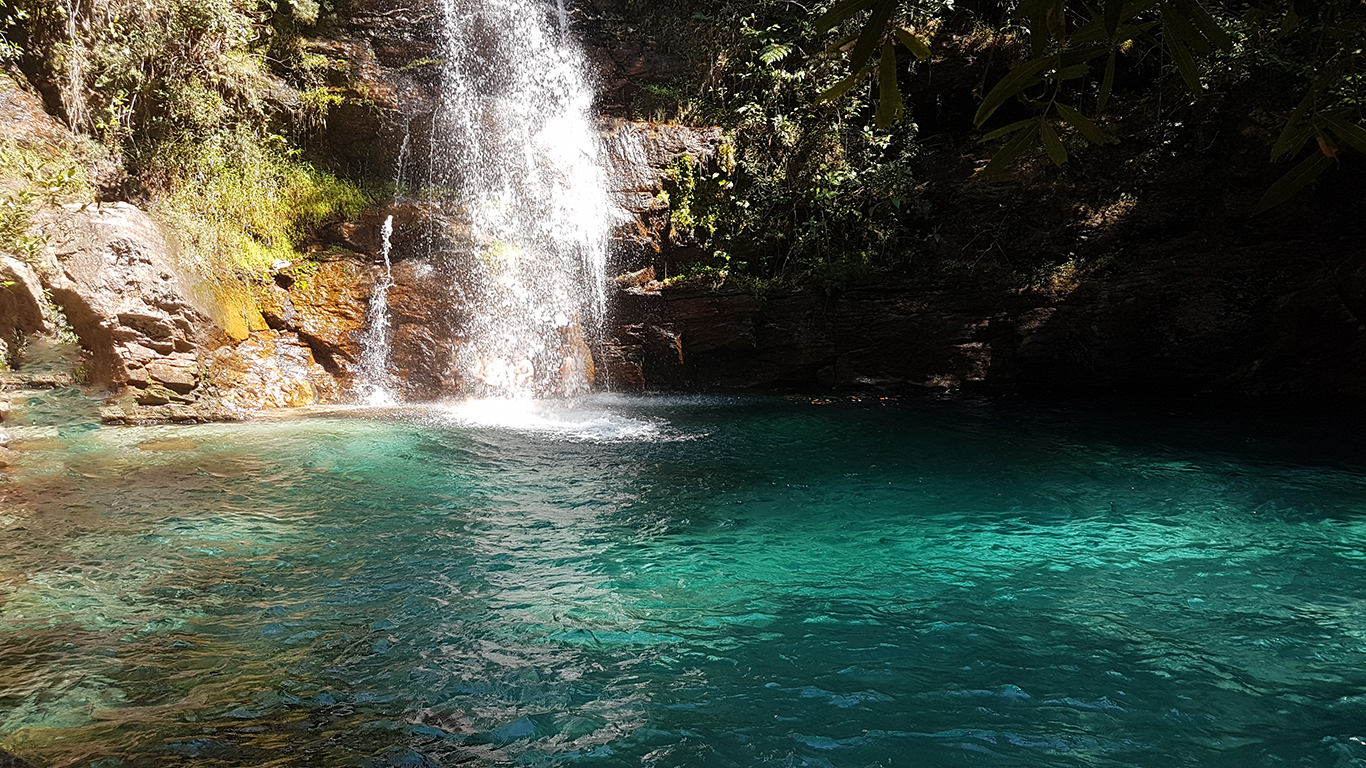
(1072, 72)
(1091, 34)
(1084, 126)
(837, 15)
(1349, 132)
(1009, 129)
(1175, 26)
(775, 53)
(1114, 14)
(1007, 155)
(889, 106)
(872, 33)
(1207, 25)
(837, 91)
(1107, 82)
(1298, 178)
(1056, 152)
(1016, 80)
(1044, 21)
(917, 45)
(1293, 135)
(1185, 64)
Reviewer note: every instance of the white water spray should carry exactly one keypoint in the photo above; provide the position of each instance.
(514, 138)
(375, 343)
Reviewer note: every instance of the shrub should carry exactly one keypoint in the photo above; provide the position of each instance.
(243, 210)
(181, 90)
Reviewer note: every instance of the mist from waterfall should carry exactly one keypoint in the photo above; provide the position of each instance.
(514, 144)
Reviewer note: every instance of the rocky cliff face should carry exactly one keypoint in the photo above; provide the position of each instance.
(1236, 321)
(1281, 316)
(148, 330)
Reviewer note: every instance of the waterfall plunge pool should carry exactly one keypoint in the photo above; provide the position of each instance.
(687, 581)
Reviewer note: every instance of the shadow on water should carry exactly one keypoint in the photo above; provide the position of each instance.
(688, 581)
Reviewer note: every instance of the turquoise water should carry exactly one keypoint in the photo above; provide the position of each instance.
(687, 582)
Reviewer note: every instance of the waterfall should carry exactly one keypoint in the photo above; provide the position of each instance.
(375, 343)
(514, 141)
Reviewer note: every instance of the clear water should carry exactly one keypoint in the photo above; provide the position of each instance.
(687, 582)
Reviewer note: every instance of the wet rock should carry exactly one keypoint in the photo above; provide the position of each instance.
(111, 273)
(384, 60)
(427, 315)
(4, 408)
(326, 308)
(1271, 320)
(21, 301)
(39, 380)
(158, 395)
(638, 155)
(178, 375)
(269, 370)
(6, 759)
(131, 413)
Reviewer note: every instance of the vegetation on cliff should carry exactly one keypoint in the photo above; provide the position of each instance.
(866, 138)
(203, 104)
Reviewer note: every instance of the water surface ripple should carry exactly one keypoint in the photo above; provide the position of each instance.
(687, 582)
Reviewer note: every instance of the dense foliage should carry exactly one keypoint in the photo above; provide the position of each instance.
(1317, 40)
(805, 190)
(182, 94)
(832, 168)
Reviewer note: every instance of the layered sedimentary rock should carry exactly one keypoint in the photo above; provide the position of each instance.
(639, 155)
(1252, 321)
(325, 306)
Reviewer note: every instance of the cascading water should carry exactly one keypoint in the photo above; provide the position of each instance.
(375, 343)
(514, 142)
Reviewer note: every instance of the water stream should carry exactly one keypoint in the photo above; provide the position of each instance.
(687, 581)
(375, 343)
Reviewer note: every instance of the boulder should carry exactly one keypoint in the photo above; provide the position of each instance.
(269, 370)
(110, 271)
(21, 300)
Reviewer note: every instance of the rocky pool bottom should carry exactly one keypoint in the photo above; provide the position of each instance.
(678, 581)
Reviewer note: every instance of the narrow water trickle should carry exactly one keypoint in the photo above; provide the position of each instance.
(514, 144)
(375, 343)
